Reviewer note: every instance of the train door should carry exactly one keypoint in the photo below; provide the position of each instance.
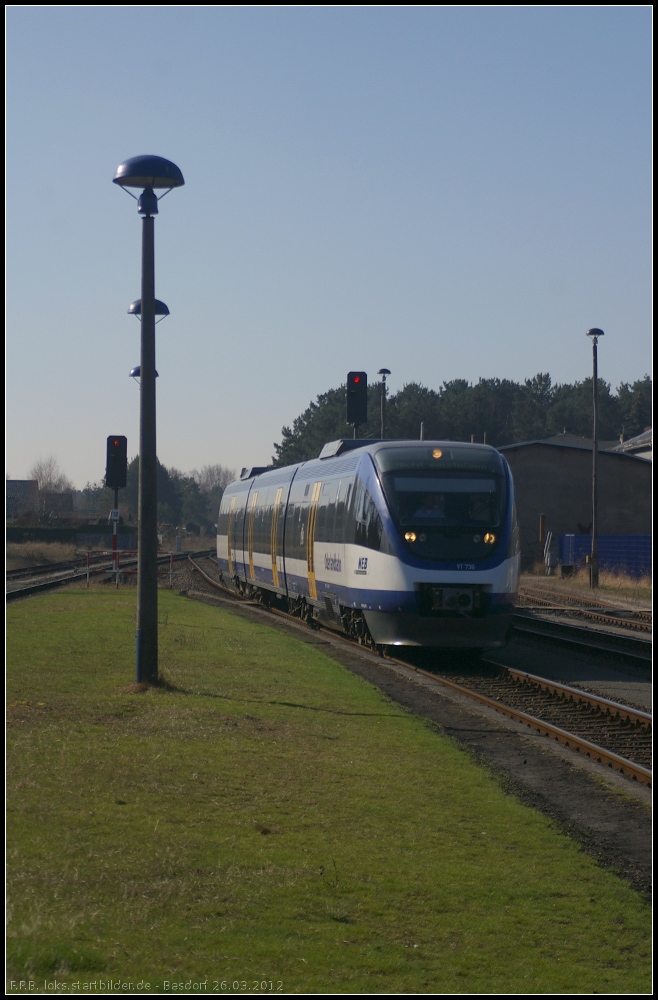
(299, 528)
(276, 538)
(253, 503)
(236, 539)
(310, 540)
(329, 548)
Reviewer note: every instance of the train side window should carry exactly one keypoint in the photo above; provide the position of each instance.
(368, 527)
(295, 523)
(345, 516)
(325, 525)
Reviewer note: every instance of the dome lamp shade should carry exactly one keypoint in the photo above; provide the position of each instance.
(148, 172)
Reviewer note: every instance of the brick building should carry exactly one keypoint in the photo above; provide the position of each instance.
(554, 478)
(22, 497)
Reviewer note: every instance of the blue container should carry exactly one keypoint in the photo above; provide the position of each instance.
(630, 554)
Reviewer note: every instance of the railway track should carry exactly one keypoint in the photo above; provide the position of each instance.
(60, 574)
(613, 734)
(568, 605)
(616, 735)
(604, 641)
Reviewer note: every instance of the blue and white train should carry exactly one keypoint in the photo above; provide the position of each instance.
(403, 543)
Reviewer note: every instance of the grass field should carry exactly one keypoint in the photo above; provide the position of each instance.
(271, 820)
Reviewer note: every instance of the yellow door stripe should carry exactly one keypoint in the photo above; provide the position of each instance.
(310, 539)
(229, 534)
(252, 512)
(273, 539)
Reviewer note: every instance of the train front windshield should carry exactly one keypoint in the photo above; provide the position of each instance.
(448, 502)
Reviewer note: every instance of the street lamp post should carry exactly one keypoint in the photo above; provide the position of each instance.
(383, 372)
(594, 333)
(148, 173)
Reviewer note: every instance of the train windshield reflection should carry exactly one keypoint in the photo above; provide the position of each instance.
(446, 507)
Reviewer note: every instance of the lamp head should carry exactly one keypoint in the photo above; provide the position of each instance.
(137, 371)
(594, 332)
(384, 371)
(161, 309)
(148, 172)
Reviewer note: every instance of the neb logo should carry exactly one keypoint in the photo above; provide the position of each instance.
(363, 563)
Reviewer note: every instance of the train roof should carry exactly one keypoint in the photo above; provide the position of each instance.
(335, 448)
(346, 450)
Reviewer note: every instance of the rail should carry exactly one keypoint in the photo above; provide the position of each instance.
(630, 768)
(624, 646)
(85, 572)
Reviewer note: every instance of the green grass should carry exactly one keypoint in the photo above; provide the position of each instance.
(271, 817)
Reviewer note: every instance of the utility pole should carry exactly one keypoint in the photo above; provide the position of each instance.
(383, 372)
(594, 333)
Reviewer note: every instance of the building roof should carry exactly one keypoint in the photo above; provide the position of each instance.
(641, 444)
(573, 441)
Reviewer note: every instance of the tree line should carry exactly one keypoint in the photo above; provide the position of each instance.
(507, 412)
(185, 500)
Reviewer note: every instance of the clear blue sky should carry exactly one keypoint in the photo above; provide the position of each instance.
(448, 192)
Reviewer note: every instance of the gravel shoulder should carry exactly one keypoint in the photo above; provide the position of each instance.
(604, 676)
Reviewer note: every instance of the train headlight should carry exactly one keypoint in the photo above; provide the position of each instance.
(437, 453)
(489, 538)
(410, 536)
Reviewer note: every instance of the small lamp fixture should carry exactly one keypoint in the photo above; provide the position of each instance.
(137, 371)
(161, 310)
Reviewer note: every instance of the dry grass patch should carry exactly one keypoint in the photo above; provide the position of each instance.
(25, 555)
(611, 585)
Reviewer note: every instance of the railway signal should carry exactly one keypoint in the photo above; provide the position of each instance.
(116, 464)
(357, 399)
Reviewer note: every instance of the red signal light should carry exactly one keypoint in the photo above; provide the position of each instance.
(117, 462)
(357, 398)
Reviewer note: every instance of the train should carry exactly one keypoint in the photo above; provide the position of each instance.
(392, 542)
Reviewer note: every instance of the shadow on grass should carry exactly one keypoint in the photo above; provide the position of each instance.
(163, 684)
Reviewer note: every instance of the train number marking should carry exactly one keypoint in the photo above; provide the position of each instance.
(465, 565)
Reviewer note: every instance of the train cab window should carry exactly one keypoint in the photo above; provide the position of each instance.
(448, 503)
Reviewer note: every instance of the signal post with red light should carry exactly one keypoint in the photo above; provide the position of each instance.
(357, 399)
(116, 469)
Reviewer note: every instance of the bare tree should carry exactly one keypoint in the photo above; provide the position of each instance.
(213, 477)
(49, 476)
